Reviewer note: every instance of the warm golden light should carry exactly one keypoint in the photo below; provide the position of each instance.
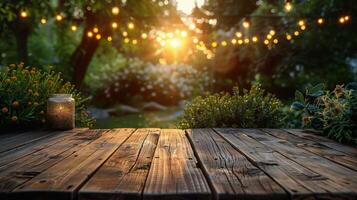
(255, 39)
(214, 44)
(134, 42)
(269, 36)
(109, 38)
(125, 34)
(195, 40)
(275, 41)
(98, 36)
(302, 27)
(163, 43)
(126, 40)
(239, 34)
(95, 30)
(288, 6)
(240, 42)
(288, 37)
(115, 10)
(43, 21)
(23, 14)
(175, 43)
(347, 18)
(234, 41)
(246, 24)
(272, 32)
(90, 34)
(266, 42)
(301, 23)
(224, 43)
(59, 17)
(73, 27)
(131, 25)
(296, 33)
(183, 34)
(114, 25)
(246, 40)
(320, 20)
(144, 35)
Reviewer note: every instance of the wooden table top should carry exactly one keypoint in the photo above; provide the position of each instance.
(175, 164)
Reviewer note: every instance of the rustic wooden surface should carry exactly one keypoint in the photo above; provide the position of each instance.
(175, 164)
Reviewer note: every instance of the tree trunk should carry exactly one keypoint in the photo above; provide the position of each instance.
(82, 56)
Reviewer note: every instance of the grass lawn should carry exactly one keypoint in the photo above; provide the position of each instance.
(154, 119)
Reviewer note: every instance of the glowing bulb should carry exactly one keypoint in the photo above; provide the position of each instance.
(214, 44)
(183, 34)
(266, 42)
(125, 34)
(255, 39)
(239, 34)
(23, 14)
(288, 6)
(269, 36)
(192, 26)
(272, 32)
(114, 25)
(347, 18)
(43, 21)
(109, 38)
(240, 42)
(224, 43)
(131, 25)
(246, 24)
(126, 40)
(95, 30)
(90, 34)
(303, 27)
(163, 43)
(246, 40)
(59, 17)
(275, 41)
(134, 41)
(342, 20)
(320, 20)
(73, 27)
(144, 35)
(195, 40)
(175, 43)
(115, 10)
(296, 33)
(234, 41)
(98, 36)
(301, 23)
(288, 37)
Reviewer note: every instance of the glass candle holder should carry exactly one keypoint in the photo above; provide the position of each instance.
(61, 111)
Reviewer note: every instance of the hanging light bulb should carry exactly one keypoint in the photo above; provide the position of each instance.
(144, 35)
(296, 33)
(43, 21)
(275, 41)
(114, 25)
(73, 28)
(89, 34)
(95, 30)
(131, 25)
(125, 34)
(239, 34)
(246, 24)
(109, 38)
(255, 39)
(23, 14)
(266, 42)
(134, 41)
(214, 44)
(240, 42)
(224, 43)
(98, 36)
(115, 10)
(288, 37)
(59, 17)
(320, 20)
(288, 5)
(301, 23)
(234, 41)
(126, 40)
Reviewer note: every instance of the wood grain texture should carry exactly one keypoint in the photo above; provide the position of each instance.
(64, 179)
(299, 181)
(339, 176)
(174, 173)
(230, 174)
(25, 168)
(316, 148)
(124, 174)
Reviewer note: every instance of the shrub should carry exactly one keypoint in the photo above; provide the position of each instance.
(333, 112)
(24, 93)
(163, 83)
(252, 109)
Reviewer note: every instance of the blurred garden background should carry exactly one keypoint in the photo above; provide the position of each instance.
(153, 63)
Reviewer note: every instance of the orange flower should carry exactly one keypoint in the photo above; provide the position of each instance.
(15, 104)
(13, 78)
(5, 110)
(14, 118)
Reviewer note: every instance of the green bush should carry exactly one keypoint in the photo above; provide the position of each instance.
(333, 112)
(24, 93)
(252, 109)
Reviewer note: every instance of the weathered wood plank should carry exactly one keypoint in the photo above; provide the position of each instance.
(230, 174)
(29, 148)
(316, 148)
(336, 173)
(123, 175)
(174, 173)
(7, 144)
(299, 181)
(20, 171)
(310, 135)
(63, 180)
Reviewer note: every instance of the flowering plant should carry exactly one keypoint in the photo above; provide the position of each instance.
(23, 96)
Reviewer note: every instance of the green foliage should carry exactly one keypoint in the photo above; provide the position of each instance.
(333, 112)
(24, 93)
(252, 109)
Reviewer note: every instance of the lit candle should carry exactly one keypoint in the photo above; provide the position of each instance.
(61, 111)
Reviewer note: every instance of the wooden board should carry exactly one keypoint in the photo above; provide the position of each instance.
(316, 148)
(230, 174)
(63, 180)
(337, 174)
(123, 175)
(15, 173)
(174, 173)
(299, 181)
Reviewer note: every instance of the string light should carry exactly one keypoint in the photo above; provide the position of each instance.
(98, 36)
(195, 40)
(114, 25)
(239, 34)
(214, 44)
(296, 33)
(115, 10)
(344, 19)
(109, 38)
(272, 32)
(246, 40)
(134, 41)
(320, 20)
(269, 36)
(275, 41)
(144, 35)
(73, 27)
(255, 39)
(301, 23)
(126, 40)
(131, 25)
(234, 41)
(183, 34)
(43, 21)
(288, 37)
(246, 24)
(303, 27)
(95, 30)
(23, 14)
(266, 42)
(59, 17)
(288, 6)
(90, 34)
(224, 43)
(125, 34)
(240, 42)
